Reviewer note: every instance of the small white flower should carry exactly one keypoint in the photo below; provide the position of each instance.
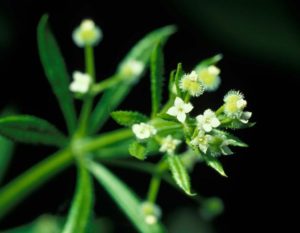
(192, 84)
(81, 82)
(245, 117)
(210, 77)
(87, 34)
(208, 120)
(151, 212)
(169, 144)
(234, 104)
(132, 68)
(180, 109)
(202, 140)
(143, 130)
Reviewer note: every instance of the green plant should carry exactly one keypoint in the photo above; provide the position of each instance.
(202, 139)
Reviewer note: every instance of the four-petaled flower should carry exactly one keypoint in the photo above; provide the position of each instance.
(210, 77)
(180, 109)
(169, 144)
(208, 120)
(143, 130)
(202, 141)
(81, 82)
(192, 84)
(87, 34)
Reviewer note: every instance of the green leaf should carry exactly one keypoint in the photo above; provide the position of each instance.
(114, 96)
(81, 211)
(56, 71)
(214, 163)
(6, 150)
(209, 61)
(232, 140)
(30, 129)
(138, 150)
(128, 118)
(157, 70)
(124, 197)
(178, 76)
(180, 174)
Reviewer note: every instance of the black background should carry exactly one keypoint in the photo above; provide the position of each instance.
(257, 190)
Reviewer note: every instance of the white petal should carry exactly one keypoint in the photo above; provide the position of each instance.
(187, 107)
(178, 102)
(203, 148)
(208, 113)
(181, 116)
(173, 111)
(207, 127)
(215, 122)
(200, 119)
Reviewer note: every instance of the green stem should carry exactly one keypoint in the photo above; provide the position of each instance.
(88, 101)
(22, 186)
(105, 84)
(18, 189)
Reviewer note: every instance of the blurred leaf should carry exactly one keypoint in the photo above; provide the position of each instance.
(137, 150)
(6, 150)
(265, 29)
(157, 72)
(180, 174)
(209, 61)
(118, 150)
(178, 75)
(211, 208)
(128, 118)
(30, 129)
(56, 71)
(125, 198)
(80, 213)
(115, 95)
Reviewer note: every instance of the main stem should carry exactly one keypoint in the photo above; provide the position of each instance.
(88, 101)
(18, 189)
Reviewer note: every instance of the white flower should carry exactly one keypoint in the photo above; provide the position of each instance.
(151, 212)
(180, 109)
(192, 84)
(143, 130)
(169, 144)
(81, 82)
(202, 140)
(210, 77)
(245, 117)
(132, 68)
(208, 120)
(234, 104)
(87, 34)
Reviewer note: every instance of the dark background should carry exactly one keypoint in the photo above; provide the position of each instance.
(260, 41)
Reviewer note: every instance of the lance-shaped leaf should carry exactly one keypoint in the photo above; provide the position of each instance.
(128, 118)
(180, 174)
(231, 139)
(6, 149)
(56, 71)
(157, 70)
(30, 129)
(209, 61)
(214, 163)
(80, 213)
(114, 96)
(137, 150)
(178, 75)
(125, 198)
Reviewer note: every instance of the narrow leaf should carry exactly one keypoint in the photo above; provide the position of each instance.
(125, 198)
(81, 211)
(178, 76)
(157, 69)
(115, 95)
(30, 129)
(6, 150)
(232, 140)
(209, 61)
(137, 150)
(56, 71)
(180, 174)
(215, 164)
(128, 118)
